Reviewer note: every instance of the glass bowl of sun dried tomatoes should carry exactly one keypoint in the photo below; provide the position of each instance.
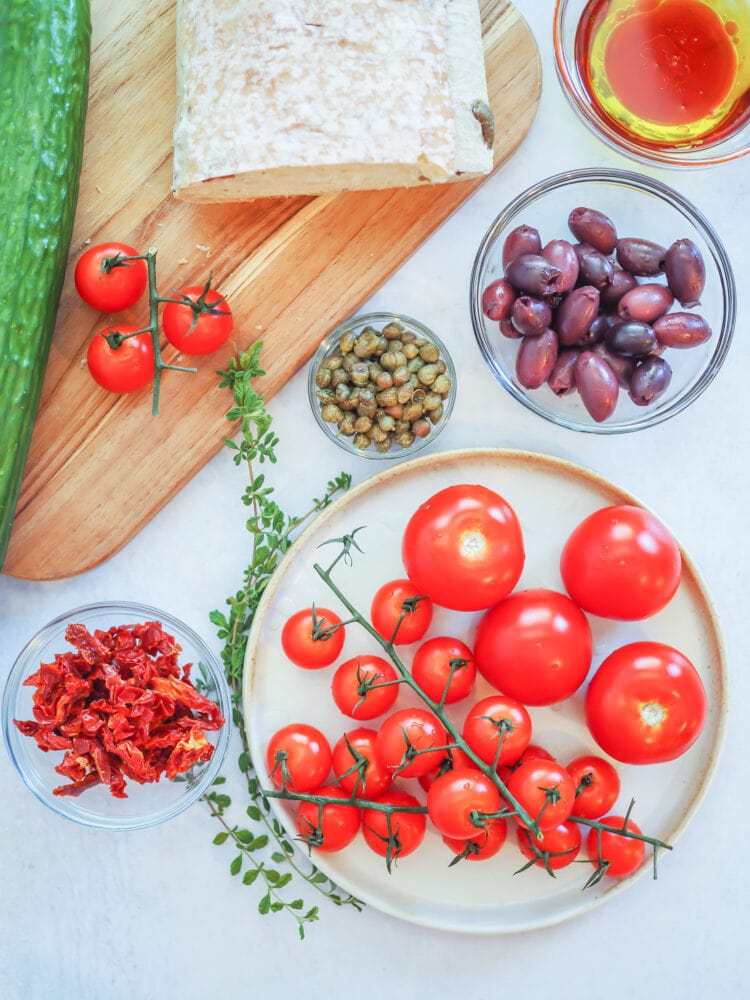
(115, 716)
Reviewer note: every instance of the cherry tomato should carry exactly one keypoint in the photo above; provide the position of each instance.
(328, 827)
(463, 548)
(198, 321)
(365, 687)
(646, 703)
(497, 729)
(405, 740)
(356, 766)
(105, 281)
(597, 785)
(313, 638)
(444, 669)
(534, 646)
(624, 854)
(399, 600)
(621, 562)
(545, 790)
(457, 799)
(559, 846)
(482, 845)
(298, 757)
(452, 757)
(395, 834)
(119, 362)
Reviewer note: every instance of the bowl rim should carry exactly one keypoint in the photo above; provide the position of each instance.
(647, 185)
(326, 345)
(706, 156)
(65, 806)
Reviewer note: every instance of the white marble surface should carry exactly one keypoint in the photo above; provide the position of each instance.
(156, 915)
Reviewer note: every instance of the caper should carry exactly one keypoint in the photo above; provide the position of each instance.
(347, 341)
(441, 367)
(360, 374)
(377, 434)
(432, 401)
(411, 351)
(405, 439)
(383, 380)
(384, 446)
(401, 375)
(386, 422)
(331, 413)
(412, 411)
(442, 384)
(436, 414)
(427, 374)
(392, 360)
(339, 377)
(362, 425)
(332, 362)
(401, 426)
(325, 395)
(342, 395)
(367, 344)
(403, 393)
(396, 411)
(407, 337)
(323, 377)
(361, 441)
(415, 364)
(387, 397)
(420, 428)
(429, 353)
(346, 426)
(393, 330)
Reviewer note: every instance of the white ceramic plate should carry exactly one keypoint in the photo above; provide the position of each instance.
(550, 497)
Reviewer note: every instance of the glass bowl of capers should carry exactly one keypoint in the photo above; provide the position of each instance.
(382, 385)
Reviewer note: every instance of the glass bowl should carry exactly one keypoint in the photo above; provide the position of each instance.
(566, 18)
(429, 421)
(146, 804)
(640, 207)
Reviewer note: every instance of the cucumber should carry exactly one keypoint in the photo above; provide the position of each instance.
(44, 67)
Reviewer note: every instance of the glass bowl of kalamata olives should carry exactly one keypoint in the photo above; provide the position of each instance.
(603, 300)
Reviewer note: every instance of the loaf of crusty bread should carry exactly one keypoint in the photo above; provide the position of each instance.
(285, 97)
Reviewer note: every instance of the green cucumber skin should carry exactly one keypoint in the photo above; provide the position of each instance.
(44, 67)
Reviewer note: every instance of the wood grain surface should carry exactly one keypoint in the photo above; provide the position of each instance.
(100, 466)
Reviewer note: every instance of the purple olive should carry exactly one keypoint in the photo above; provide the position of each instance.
(530, 316)
(641, 257)
(497, 299)
(536, 358)
(562, 381)
(650, 380)
(645, 302)
(591, 226)
(596, 331)
(686, 272)
(532, 274)
(593, 267)
(681, 329)
(622, 281)
(522, 239)
(575, 314)
(622, 367)
(631, 338)
(562, 255)
(597, 385)
(508, 330)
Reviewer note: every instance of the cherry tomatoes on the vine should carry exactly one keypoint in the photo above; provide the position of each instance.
(198, 321)
(621, 562)
(454, 756)
(364, 687)
(328, 826)
(444, 669)
(485, 843)
(457, 801)
(622, 854)
(120, 359)
(298, 757)
(597, 785)
(356, 766)
(107, 282)
(545, 790)
(405, 742)
(558, 847)
(497, 729)
(398, 603)
(313, 638)
(463, 548)
(395, 833)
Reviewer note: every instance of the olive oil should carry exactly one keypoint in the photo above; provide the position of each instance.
(667, 73)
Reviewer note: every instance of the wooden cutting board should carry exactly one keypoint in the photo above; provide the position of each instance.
(100, 466)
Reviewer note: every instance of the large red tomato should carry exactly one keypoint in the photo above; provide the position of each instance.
(534, 646)
(463, 548)
(646, 703)
(621, 562)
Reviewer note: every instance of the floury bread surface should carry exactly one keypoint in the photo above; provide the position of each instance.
(284, 97)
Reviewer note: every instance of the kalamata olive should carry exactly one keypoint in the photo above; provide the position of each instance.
(562, 381)
(562, 255)
(532, 274)
(597, 385)
(686, 272)
(591, 226)
(631, 338)
(641, 257)
(497, 299)
(536, 358)
(530, 316)
(593, 267)
(622, 281)
(508, 330)
(681, 329)
(596, 331)
(622, 367)
(522, 239)
(575, 314)
(649, 380)
(645, 302)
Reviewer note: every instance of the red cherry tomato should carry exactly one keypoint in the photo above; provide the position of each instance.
(621, 562)
(558, 846)
(463, 548)
(497, 729)
(107, 282)
(398, 603)
(444, 669)
(545, 790)
(534, 646)
(313, 638)
(199, 321)
(623, 854)
(356, 766)
(457, 799)
(328, 827)
(365, 687)
(452, 757)
(646, 703)
(298, 757)
(120, 362)
(395, 834)
(482, 845)
(405, 741)
(597, 785)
